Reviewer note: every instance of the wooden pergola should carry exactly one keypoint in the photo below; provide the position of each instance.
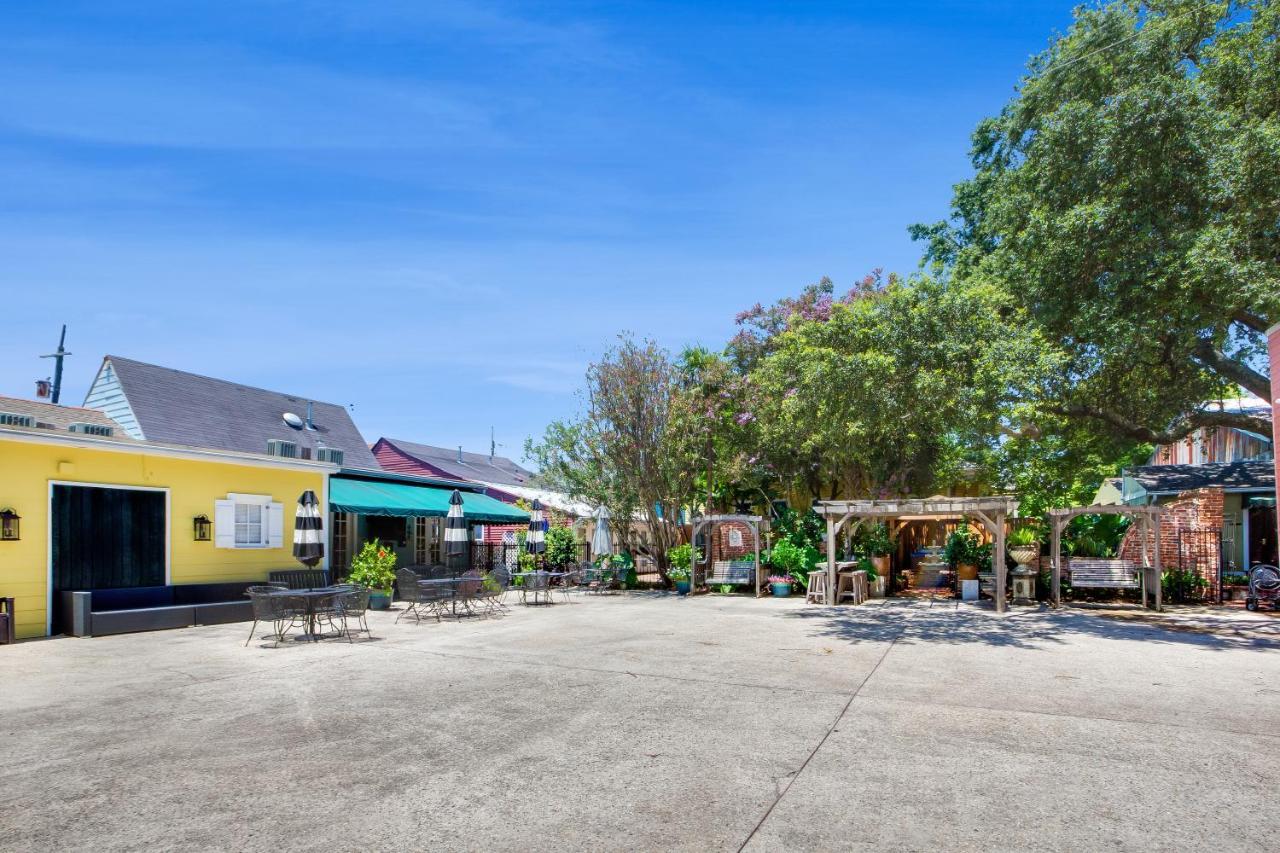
(991, 512)
(752, 521)
(1146, 516)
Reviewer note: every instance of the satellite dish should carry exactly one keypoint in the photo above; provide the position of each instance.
(292, 420)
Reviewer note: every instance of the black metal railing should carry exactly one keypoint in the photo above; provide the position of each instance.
(1197, 572)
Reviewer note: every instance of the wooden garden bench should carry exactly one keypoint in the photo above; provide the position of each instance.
(1093, 573)
(732, 572)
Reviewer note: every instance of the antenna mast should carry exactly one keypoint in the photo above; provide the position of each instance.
(57, 364)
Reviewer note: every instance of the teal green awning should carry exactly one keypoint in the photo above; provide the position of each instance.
(367, 497)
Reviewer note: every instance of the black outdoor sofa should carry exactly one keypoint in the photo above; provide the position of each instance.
(98, 612)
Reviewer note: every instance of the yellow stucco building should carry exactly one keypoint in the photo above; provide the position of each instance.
(98, 509)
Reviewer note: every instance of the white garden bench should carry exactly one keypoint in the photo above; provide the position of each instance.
(1093, 573)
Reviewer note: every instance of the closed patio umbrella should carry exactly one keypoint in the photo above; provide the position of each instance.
(602, 538)
(308, 531)
(455, 532)
(536, 540)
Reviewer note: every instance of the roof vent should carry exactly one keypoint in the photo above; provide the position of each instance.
(459, 454)
(311, 423)
(15, 420)
(91, 429)
(292, 420)
(329, 454)
(286, 449)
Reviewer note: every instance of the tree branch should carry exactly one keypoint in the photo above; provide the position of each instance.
(1238, 372)
(1247, 318)
(1182, 426)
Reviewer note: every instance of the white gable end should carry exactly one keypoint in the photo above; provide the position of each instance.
(107, 396)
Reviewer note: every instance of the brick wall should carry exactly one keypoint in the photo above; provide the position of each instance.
(723, 539)
(1197, 511)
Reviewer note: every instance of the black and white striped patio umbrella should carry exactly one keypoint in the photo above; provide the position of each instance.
(308, 531)
(455, 528)
(536, 540)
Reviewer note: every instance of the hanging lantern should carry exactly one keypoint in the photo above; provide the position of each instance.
(203, 528)
(9, 531)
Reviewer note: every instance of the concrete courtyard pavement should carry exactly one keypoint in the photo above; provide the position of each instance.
(647, 722)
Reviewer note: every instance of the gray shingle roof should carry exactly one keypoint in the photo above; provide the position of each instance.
(176, 407)
(49, 417)
(476, 467)
(1260, 475)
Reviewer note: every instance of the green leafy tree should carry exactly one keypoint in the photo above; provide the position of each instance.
(622, 452)
(1128, 198)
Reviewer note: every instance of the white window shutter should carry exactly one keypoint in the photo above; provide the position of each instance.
(224, 524)
(275, 518)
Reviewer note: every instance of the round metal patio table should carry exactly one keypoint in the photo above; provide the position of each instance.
(312, 599)
(453, 583)
(550, 576)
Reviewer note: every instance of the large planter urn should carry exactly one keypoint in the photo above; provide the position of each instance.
(781, 590)
(1024, 555)
(881, 564)
(966, 572)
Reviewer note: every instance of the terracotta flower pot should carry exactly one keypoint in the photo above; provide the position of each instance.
(966, 572)
(881, 565)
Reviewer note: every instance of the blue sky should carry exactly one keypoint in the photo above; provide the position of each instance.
(378, 203)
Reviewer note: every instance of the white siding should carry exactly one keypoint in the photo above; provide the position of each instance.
(107, 396)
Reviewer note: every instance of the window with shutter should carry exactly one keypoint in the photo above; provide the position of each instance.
(248, 521)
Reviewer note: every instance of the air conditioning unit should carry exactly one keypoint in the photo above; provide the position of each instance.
(91, 429)
(11, 419)
(286, 449)
(329, 454)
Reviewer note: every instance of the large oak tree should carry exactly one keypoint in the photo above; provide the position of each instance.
(1129, 198)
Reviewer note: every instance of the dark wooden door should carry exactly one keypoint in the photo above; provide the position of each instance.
(107, 538)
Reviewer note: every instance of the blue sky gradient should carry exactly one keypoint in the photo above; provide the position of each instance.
(379, 203)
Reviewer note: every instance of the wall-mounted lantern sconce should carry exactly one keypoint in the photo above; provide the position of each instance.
(203, 528)
(9, 531)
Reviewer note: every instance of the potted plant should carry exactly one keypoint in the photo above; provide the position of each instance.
(963, 552)
(780, 584)
(1024, 545)
(879, 545)
(375, 569)
(875, 580)
(681, 560)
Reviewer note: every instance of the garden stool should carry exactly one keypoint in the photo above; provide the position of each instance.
(817, 588)
(851, 585)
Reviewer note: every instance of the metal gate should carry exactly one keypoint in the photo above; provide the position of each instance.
(1199, 567)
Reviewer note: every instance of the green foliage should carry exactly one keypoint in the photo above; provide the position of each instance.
(1181, 586)
(865, 565)
(725, 588)
(1095, 535)
(840, 396)
(800, 528)
(1021, 537)
(1125, 199)
(875, 541)
(796, 560)
(562, 546)
(966, 548)
(682, 557)
(373, 567)
(624, 451)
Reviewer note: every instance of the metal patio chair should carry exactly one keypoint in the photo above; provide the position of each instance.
(352, 602)
(270, 608)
